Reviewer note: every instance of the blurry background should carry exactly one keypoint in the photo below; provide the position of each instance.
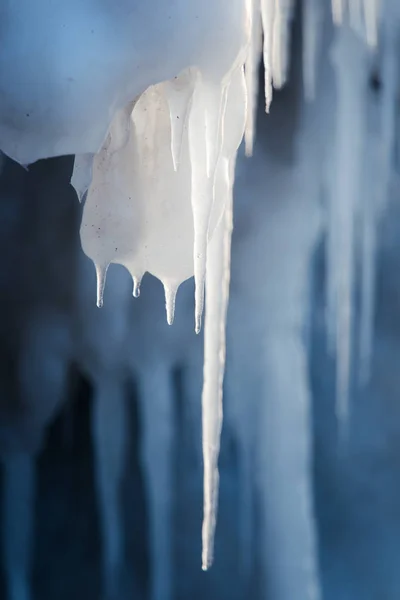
(100, 420)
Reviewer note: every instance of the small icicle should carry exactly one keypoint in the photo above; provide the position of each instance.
(217, 294)
(371, 17)
(267, 16)
(251, 73)
(312, 25)
(136, 286)
(101, 273)
(349, 59)
(284, 10)
(170, 290)
(179, 93)
(338, 7)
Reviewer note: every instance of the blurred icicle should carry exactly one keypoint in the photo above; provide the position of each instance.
(349, 60)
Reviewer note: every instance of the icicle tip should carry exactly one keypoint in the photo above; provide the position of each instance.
(101, 273)
(136, 286)
(170, 297)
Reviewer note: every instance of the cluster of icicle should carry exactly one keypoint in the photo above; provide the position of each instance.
(159, 191)
(359, 179)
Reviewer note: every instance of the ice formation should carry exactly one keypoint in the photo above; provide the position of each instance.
(349, 60)
(156, 142)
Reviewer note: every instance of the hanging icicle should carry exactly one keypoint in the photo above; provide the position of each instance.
(377, 172)
(362, 15)
(350, 63)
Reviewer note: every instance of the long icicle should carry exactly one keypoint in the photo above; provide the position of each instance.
(217, 294)
(349, 62)
(251, 73)
(380, 153)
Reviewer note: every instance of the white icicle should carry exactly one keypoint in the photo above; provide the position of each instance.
(136, 286)
(377, 172)
(217, 294)
(251, 71)
(362, 15)
(372, 187)
(268, 15)
(170, 290)
(338, 7)
(349, 59)
(284, 10)
(368, 275)
(312, 32)
(371, 17)
(390, 78)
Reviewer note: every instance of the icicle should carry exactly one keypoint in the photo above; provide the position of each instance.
(312, 25)
(217, 293)
(376, 177)
(371, 16)
(368, 275)
(281, 43)
(268, 15)
(285, 484)
(251, 71)
(101, 273)
(338, 11)
(217, 275)
(390, 78)
(170, 290)
(349, 59)
(363, 17)
(136, 286)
